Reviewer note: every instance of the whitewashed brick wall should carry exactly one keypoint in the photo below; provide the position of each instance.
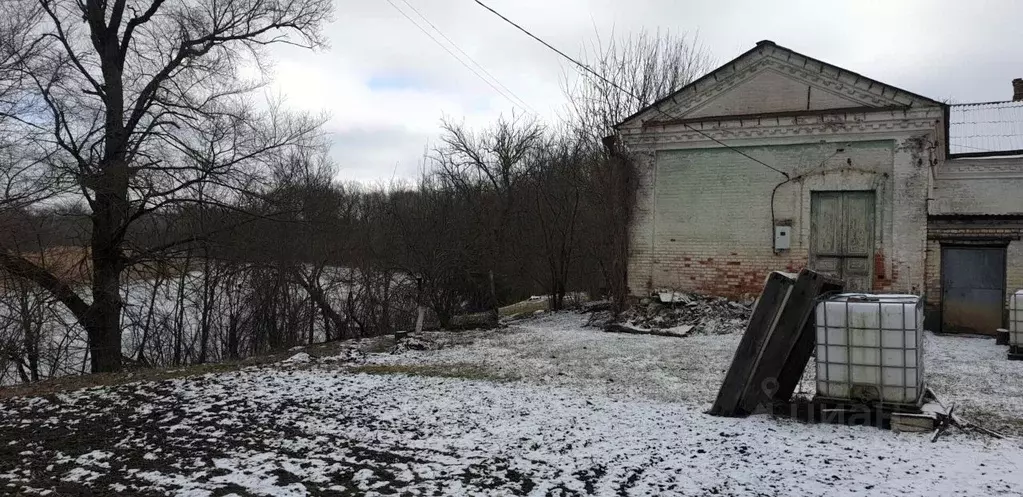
(979, 188)
(703, 217)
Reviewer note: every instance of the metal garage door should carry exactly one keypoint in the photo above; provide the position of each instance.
(842, 236)
(972, 289)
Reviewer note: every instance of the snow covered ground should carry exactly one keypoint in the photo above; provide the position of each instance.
(544, 408)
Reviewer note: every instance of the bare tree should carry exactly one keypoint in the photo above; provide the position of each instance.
(647, 65)
(133, 90)
(487, 165)
(433, 236)
(321, 213)
(558, 193)
(495, 157)
(24, 179)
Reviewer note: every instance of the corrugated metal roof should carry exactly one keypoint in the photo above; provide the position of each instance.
(983, 128)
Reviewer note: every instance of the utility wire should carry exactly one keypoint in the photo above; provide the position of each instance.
(629, 93)
(467, 56)
(448, 50)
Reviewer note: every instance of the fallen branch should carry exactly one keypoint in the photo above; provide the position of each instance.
(967, 425)
(962, 424)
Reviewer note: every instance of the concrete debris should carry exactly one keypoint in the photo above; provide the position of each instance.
(672, 297)
(415, 342)
(696, 314)
(299, 358)
(345, 356)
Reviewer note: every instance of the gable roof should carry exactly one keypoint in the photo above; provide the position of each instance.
(986, 129)
(766, 48)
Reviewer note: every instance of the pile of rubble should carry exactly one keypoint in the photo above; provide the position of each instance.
(680, 314)
(415, 342)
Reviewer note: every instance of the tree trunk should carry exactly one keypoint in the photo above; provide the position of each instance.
(312, 322)
(109, 183)
(317, 296)
(209, 285)
(179, 313)
(103, 325)
(31, 332)
(21, 368)
(495, 311)
(232, 336)
(140, 357)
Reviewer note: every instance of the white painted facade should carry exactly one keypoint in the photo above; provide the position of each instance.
(703, 218)
(981, 186)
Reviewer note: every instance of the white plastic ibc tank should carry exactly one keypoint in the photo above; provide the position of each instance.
(1016, 320)
(870, 348)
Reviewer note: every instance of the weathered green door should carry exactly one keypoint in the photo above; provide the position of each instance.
(842, 236)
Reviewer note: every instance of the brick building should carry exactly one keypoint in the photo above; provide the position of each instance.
(974, 249)
(778, 161)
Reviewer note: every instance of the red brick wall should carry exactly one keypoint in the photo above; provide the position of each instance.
(730, 274)
(740, 275)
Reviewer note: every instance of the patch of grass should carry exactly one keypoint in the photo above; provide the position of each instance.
(463, 371)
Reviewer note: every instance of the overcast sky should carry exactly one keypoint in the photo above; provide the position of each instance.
(386, 84)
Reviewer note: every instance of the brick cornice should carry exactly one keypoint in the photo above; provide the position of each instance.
(981, 169)
(893, 122)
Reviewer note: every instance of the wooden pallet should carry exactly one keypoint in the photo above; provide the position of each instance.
(1015, 353)
(914, 422)
(900, 417)
(907, 407)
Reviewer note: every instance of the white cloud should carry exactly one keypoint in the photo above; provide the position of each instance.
(386, 84)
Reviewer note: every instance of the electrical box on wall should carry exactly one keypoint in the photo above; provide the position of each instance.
(782, 237)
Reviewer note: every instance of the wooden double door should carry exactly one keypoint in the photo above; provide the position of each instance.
(842, 236)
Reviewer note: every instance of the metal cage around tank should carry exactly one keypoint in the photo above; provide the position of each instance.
(1016, 323)
(870, 348)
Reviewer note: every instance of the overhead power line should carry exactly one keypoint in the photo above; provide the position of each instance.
(510, 99)
(469, 58)
(627, 92)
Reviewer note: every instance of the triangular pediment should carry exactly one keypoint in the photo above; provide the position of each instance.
(770, 90)
(773, 79)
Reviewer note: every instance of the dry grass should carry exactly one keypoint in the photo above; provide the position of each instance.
(74, 265)
(69, 263)
(68, 383)
(463, 371)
